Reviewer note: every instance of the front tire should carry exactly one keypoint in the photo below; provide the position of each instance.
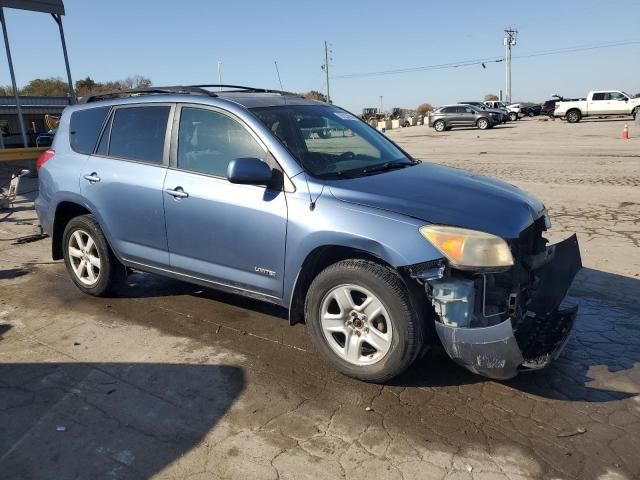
(439, 126)
(483, 123)
(89, 260)
(573, 116)
(361, 321)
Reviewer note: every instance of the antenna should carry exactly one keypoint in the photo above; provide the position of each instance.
(278, 72)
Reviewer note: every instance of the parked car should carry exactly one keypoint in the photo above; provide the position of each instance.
(451, 116)
(600, 103)
(531, 110)
(502, 114)
(513, 110)
(378, 253)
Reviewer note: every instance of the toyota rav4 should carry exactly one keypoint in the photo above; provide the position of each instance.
(379, 254)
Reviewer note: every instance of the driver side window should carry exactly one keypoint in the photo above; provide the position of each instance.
(209, 140)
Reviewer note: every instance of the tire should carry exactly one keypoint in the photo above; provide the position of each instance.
(483, 124)
(84, 243)
(513, 116)
(531, 114)
(573, 116)
(634, 113)
(395, 330)
(439, 126)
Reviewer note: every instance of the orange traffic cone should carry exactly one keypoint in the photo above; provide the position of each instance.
(625, 132)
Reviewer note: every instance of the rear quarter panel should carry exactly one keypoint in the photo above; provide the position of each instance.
(59, 178)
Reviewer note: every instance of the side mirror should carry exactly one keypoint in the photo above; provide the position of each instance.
(249, 171)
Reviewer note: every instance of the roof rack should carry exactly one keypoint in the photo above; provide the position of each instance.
(135, 92)
(246, 89)
(180, 90)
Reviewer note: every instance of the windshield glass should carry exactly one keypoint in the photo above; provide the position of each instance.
(329, 142)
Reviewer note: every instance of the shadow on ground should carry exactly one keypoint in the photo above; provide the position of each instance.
(99, 420)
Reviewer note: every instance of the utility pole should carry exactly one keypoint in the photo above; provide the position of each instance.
(325, 67)
(509, 40)
(381, 109)
(220, 73)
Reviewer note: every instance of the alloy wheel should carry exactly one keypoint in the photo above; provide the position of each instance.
(356, 325)
(84, 257)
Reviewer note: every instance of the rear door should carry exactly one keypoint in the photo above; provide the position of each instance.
(599, 103)
(123, 181)
(229, 234)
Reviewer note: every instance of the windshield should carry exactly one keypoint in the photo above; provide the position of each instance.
(329, 142)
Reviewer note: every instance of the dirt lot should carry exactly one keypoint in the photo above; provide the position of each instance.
(173, 381)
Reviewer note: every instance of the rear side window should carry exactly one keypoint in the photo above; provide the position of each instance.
(138, 133)
(598, 96)
(85, 127)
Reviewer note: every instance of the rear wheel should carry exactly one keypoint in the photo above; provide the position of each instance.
(513, 116)
(439, 126)
(573, 116)
(89, 260)
(634, 113)
(482, 123)
(360, 319)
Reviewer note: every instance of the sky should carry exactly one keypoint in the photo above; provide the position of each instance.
(181, 42)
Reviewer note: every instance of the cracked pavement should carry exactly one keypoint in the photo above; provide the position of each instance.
(173, 381)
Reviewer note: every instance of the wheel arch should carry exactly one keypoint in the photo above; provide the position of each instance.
(322, 257)
(64, 212)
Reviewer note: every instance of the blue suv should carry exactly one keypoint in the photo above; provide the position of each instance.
(301, 204)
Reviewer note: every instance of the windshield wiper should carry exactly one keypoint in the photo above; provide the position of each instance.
(388, 166)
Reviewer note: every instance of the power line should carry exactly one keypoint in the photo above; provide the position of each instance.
(481, 61)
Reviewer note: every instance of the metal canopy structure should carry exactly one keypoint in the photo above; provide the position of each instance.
(56, 9)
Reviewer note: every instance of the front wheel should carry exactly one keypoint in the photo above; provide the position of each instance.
(89, 260)
(483, 124)
(634, 113)
(439, 126)
(361, 321)
(513, 116)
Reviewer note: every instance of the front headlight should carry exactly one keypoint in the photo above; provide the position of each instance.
(468, 248)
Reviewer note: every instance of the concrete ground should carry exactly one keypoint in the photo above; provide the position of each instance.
(174, 381)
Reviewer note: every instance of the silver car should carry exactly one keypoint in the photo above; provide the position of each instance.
(450, 116)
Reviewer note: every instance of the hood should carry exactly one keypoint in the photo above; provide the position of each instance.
(446, 196)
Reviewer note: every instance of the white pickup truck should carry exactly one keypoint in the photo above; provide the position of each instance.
(513, 110)
(598, 103)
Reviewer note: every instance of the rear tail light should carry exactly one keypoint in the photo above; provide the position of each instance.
(44, 158)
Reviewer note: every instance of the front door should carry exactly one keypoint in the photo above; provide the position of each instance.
(123, 182)
(225, 233)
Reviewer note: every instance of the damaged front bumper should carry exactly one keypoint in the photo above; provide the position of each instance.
(530, 329)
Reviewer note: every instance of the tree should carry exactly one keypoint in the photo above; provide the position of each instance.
(423, 109)
(49, 87)
(490, 97)
(6, 90)
(315, 95)
(136, 81)
(85, 87)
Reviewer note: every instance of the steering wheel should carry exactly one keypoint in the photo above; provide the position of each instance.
(347, 156)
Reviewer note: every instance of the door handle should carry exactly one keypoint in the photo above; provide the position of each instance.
(93, 178)
(177, 192)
